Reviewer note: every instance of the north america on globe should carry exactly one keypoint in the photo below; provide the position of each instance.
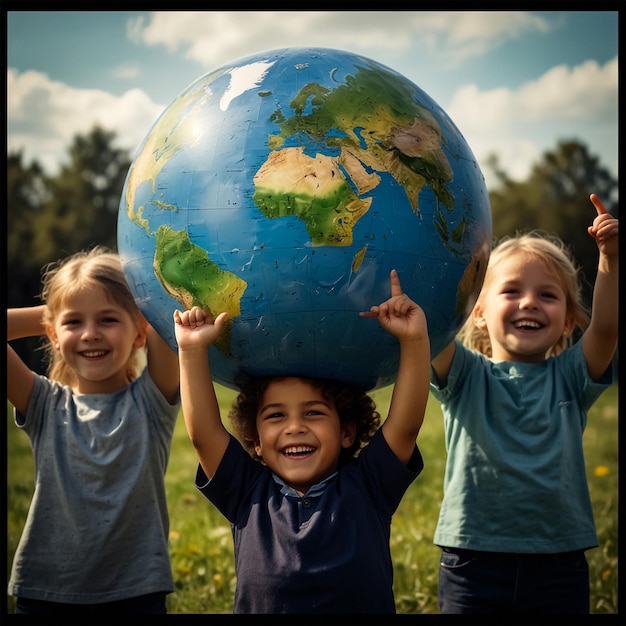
(283, 188)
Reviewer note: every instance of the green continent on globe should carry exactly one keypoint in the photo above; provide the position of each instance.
(403, 138)
(314, 190)
(192, 279)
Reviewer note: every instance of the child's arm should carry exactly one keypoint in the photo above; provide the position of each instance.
(600, 338)
(162, 365)
(21, 323)
(443, 362)
(195, 332)
(406, 321)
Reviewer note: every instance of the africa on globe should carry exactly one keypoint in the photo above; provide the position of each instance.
(283, 188)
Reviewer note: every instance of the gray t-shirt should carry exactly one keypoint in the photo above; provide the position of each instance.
(97, 528)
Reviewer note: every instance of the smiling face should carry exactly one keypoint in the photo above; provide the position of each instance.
(523, 308)
(300, 433)
(96, 337)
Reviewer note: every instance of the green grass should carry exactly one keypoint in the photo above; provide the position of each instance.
(201, 544)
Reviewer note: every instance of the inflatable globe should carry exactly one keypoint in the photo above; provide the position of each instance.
(283, 188)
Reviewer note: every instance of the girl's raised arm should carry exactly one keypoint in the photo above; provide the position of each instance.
(600, 338)
(162, 365)
(21, 322)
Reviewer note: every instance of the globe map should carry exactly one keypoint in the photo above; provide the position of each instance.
(283, 188)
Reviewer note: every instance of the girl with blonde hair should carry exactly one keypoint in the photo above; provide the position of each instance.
(515, 387)
(96, 535)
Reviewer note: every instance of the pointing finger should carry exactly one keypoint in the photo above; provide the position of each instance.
(600, 208)
(396, 289)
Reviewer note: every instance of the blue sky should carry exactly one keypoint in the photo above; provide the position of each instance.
(514, 82)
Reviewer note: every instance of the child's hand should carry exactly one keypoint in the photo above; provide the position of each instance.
(399, 315)
(196, 328)
(605, 228)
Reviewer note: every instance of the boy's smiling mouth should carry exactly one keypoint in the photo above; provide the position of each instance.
(292, 451)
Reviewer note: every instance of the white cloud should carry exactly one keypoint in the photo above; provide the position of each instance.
(579, 102)
(587, 91)
(209, 37)
(455, 36)
(44, 116)
(126, 71)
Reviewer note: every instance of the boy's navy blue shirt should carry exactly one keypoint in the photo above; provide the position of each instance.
(324, 552)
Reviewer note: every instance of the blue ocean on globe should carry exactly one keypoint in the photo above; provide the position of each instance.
(284, 187)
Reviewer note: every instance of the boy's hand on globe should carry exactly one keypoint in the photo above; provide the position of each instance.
(399, 315)
(197, 328)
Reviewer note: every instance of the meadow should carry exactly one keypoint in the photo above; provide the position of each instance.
(201, 543)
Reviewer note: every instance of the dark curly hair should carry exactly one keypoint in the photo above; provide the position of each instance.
(351, 402)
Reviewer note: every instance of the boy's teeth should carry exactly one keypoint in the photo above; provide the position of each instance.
(298, 450)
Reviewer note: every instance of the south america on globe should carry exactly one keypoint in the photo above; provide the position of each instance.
(283, 188)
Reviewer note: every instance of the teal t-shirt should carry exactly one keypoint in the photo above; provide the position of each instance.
(515, 478)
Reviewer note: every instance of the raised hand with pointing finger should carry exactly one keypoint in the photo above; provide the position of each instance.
(605, 228)
(399, 315)
(600, 337)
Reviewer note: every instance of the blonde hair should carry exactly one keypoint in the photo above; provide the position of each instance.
(550, 250)
(63, 279)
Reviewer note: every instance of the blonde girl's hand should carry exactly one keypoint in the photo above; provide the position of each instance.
(605, 228)
(399, 315)
(197, 328)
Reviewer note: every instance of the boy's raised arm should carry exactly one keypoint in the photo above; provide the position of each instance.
(404, 319)
(195, 332)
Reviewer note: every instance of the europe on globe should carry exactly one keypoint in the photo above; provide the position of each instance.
(284, 187)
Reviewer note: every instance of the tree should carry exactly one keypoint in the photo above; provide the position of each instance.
(85, 198)
(28, 189)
